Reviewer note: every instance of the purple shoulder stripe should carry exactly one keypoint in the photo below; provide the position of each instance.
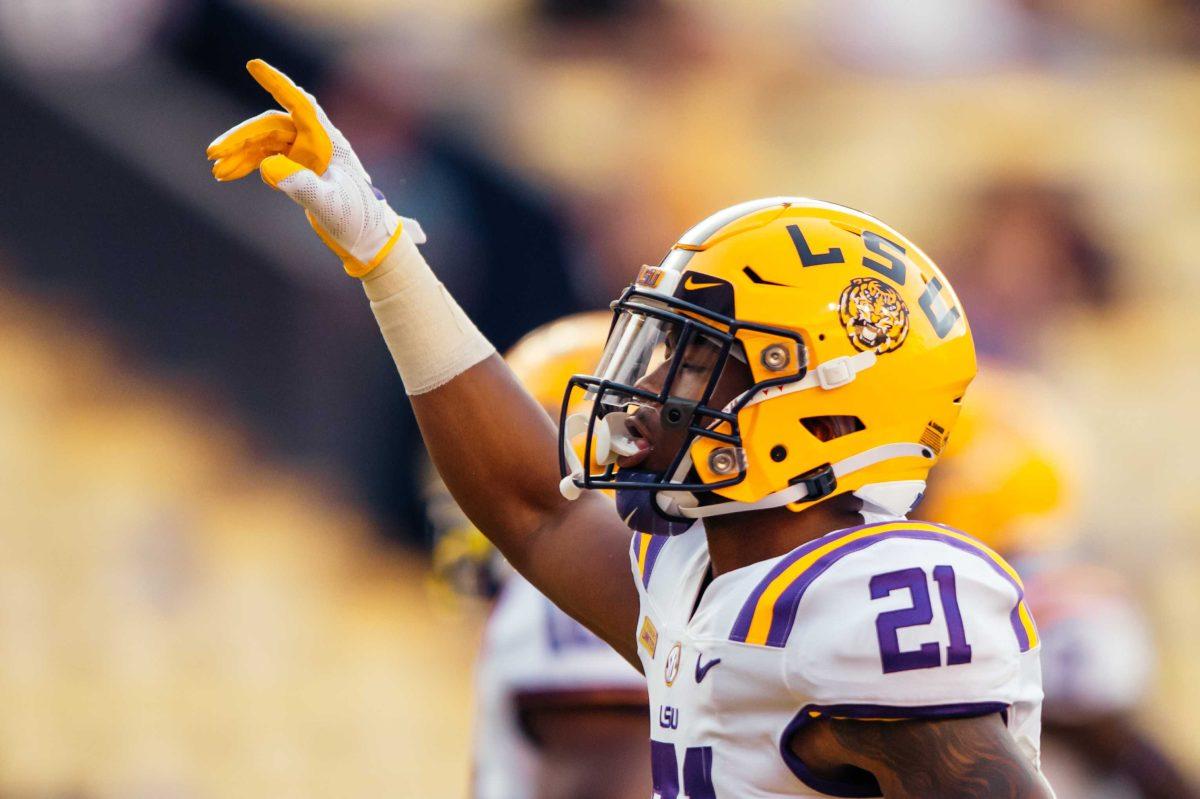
(741, 625)
(657, 542)
(786, 606)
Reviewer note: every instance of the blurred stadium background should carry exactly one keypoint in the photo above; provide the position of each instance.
(213, 564)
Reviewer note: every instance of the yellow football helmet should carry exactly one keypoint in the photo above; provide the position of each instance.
(1012, 471)
(546, 358)
(543, 360)
(844, 326)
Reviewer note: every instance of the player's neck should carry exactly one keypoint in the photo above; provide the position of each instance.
(741, 539)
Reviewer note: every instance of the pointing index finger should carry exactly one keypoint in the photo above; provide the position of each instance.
(312, 147)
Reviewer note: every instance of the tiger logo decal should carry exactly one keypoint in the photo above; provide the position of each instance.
(874, 315)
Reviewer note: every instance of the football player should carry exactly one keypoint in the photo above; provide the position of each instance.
(787, 375)
(559, 714)
(1012, 475)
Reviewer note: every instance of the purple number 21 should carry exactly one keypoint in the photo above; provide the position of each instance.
(928, 655)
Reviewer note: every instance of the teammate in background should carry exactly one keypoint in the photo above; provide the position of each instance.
(1011, 474)
(789, 371)
(559, 714)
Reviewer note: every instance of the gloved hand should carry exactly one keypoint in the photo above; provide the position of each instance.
(303, 155)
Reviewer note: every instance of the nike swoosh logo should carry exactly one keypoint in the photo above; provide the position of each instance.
(691, 285)
(702, 671)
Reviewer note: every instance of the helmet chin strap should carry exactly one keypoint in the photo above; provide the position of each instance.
(576, 424)
(885, 501)
(834, 373)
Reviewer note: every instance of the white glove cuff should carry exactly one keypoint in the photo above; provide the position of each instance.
(431, 339)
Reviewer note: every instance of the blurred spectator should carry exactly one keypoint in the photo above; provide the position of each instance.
(181, 617)
(213, 39)
(929, 38)
(1180, 21)
(622, 107)
(67, 34)
(645, 30)
(1027, 256)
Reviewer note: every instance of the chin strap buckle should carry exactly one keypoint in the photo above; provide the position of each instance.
(819, 482)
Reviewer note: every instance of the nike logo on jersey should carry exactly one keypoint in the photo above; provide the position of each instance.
(702, 671)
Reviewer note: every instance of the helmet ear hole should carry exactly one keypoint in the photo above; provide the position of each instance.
(827, 428)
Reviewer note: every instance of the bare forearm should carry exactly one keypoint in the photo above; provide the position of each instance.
(491, 442)
(970, 758)
(496, 450)
(951, 759)
(970, 781)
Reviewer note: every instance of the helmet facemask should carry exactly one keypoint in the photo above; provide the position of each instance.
(670, 356)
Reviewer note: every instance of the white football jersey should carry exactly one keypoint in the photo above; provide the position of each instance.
(1097, 659)
(533, 651)
(1097, 654)
(899, 619)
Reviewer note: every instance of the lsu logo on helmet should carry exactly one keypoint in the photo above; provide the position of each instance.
(874, 315)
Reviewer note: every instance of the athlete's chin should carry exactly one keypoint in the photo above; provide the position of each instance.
(650, 461)
(644, 460)
(631, 462)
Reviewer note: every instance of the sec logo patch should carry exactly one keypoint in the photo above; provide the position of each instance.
(672, 669)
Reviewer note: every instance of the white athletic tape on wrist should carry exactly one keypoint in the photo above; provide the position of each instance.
(431, 339)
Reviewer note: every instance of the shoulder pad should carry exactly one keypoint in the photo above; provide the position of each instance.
(769, 613)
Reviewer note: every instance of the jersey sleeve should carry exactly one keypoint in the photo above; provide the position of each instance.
(1097, 657)
(542, 655)
(925, 626)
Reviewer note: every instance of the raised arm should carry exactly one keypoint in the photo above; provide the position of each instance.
(497, 451)
(494, 446)
(967, 758)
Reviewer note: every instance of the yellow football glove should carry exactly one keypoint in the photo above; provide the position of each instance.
(299, 152)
